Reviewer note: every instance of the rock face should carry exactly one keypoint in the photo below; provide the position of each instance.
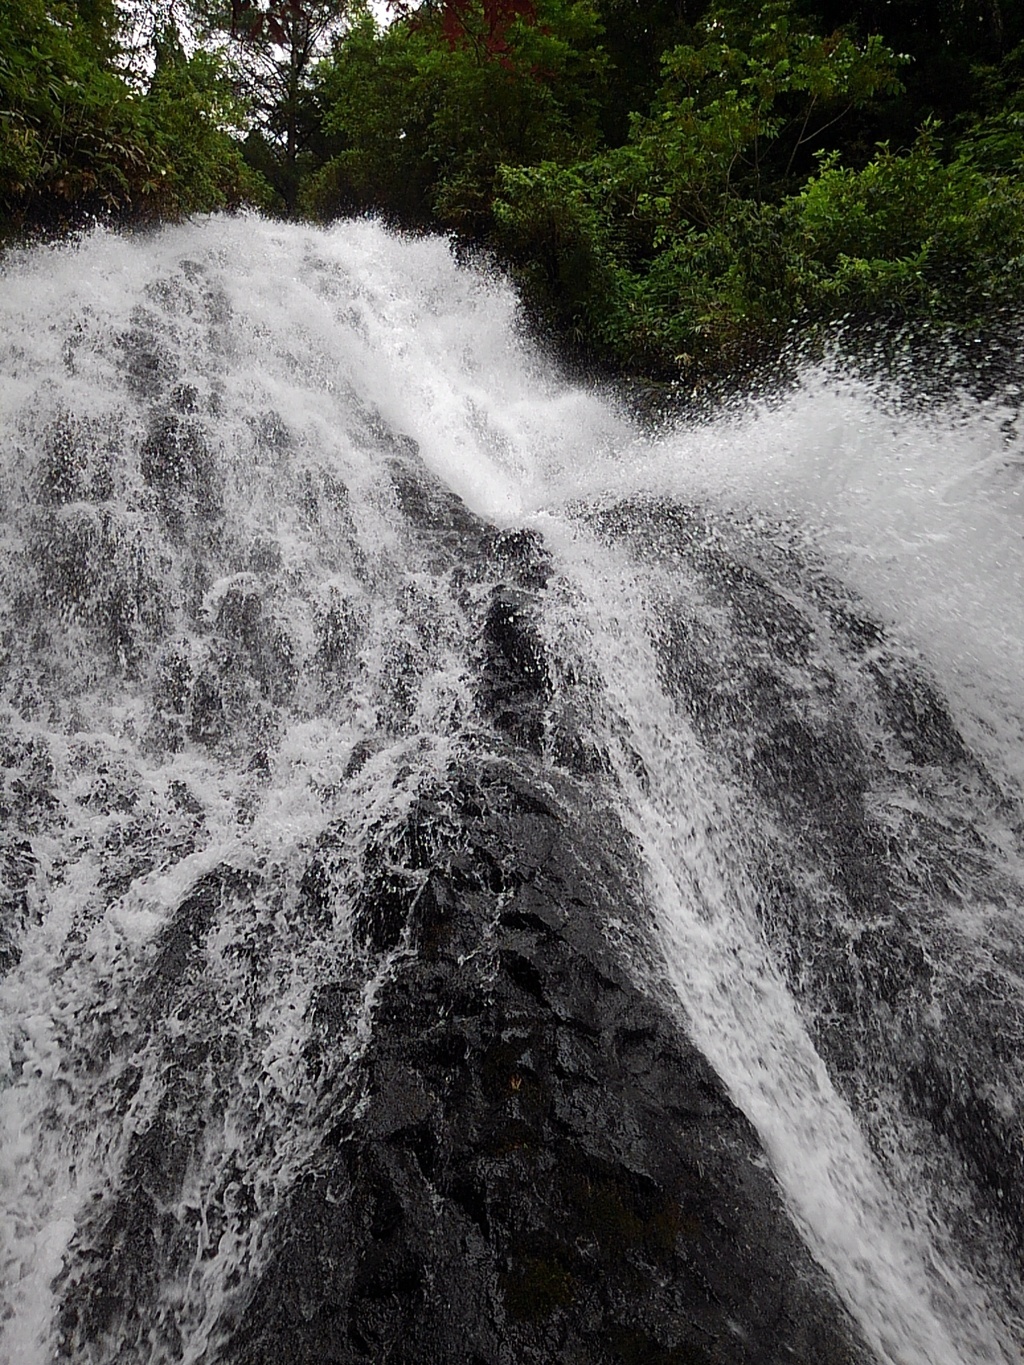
(499, 1146)
(533, 1164)
(881, 843)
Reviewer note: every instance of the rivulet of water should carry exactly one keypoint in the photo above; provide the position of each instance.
(240, 467)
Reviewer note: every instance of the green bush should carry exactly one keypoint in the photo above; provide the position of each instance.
(76, 139)
(697, 247)
(908, 233)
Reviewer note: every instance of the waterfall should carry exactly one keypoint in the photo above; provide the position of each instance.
(362, 678)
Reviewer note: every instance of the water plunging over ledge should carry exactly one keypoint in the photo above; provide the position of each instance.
(480, 881)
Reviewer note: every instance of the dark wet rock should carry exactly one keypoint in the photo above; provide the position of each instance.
(362, 751)
(761, 612)
(918, 715)
(248, 670)
(145, 361)
(240, 613)
(271, 433)
(519, 555)
(134, 1238)
(96, 567)
(237, 697)
(114, 788)
(178, 946)
(64, 461)
(534, 1165)
(431, 508)
(185, 799)
(496, 578)
(318, 890)
(324, 497)
(176, 461)
(28, 798)
(987, 1136)
(127, 853)
(173, 683)
(18, 866)
(172, 690)
(515, 685)
(264, 557)
(398, 682)
(339, 626)
(207, 721)
(259, 764)
(185, 398)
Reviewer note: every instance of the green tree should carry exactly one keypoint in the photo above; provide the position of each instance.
(668, 249)
(77, 140)
(271, 51)
(951, 43)
(422, 124)
(743, 109)
(910, 233)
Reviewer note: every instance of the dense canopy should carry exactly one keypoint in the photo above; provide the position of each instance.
(675, 184)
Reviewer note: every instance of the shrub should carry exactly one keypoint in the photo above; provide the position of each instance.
(77, 140)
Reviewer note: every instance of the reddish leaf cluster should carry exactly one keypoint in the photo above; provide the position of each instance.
(483, 22)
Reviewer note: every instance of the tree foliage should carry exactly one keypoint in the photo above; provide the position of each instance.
(422, 127)
(669, 248)
(485, 25)
(731, 211)
(270, 51)
(76, 139)
(674, 183)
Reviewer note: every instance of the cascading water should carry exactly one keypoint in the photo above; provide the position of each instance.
(327, 612)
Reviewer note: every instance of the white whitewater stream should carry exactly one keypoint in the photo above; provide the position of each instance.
(243, 371)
